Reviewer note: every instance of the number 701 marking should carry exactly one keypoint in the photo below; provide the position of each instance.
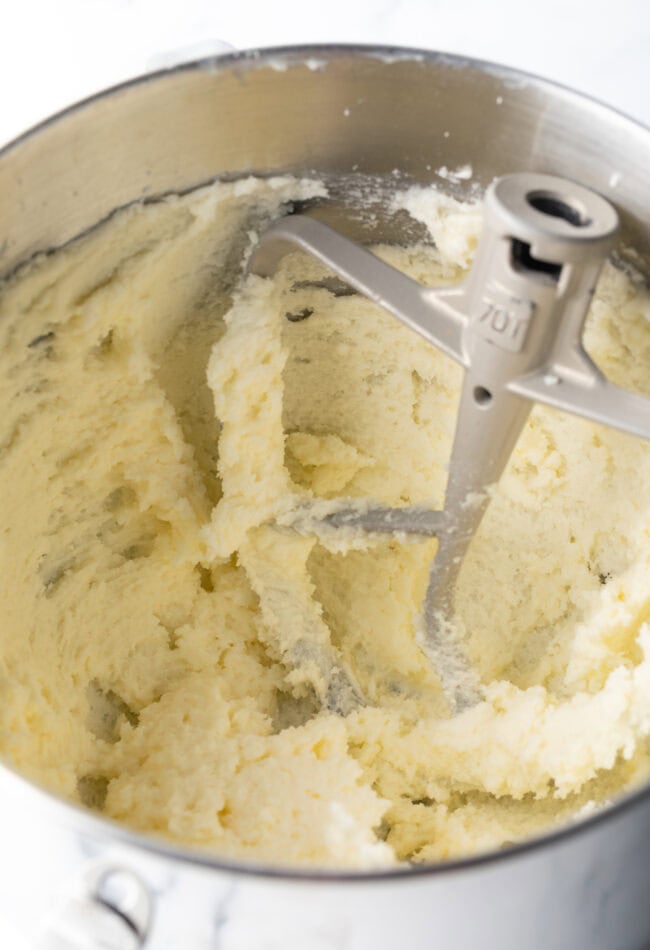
(505, 324)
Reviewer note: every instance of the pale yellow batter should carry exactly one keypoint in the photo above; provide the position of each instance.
(168, 634)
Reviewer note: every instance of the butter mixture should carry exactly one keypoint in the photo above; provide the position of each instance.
(180, 652)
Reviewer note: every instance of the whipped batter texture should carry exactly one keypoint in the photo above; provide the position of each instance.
(172, 639)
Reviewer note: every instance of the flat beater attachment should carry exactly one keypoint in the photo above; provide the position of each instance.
(515, 325)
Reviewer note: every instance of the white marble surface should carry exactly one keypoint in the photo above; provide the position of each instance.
(53, 53)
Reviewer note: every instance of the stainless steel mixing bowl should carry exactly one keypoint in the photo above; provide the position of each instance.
(349, 114)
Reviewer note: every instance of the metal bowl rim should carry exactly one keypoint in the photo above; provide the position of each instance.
(264, 57)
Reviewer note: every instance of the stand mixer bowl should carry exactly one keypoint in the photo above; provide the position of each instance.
(345, 114)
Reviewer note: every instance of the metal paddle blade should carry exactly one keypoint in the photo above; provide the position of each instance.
(516, 327)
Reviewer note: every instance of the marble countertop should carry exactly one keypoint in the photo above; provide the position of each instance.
(53, 53)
